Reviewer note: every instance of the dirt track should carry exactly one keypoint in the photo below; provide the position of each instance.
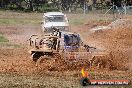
(116, 40)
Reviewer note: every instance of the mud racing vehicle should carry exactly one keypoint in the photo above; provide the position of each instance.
(67, 47)
(54, 44)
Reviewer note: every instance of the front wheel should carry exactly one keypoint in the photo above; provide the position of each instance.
(36, 56)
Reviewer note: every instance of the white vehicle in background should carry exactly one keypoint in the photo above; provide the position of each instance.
(54, 19)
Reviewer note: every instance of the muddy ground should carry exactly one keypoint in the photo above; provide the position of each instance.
(18, 70)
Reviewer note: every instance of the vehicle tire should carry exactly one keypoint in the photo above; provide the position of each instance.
(36, 56)
(39, 61)
(45, 61)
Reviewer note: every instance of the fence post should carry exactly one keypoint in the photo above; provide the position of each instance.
(84, 7)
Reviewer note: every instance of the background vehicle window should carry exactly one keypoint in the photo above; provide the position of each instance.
(55, 19)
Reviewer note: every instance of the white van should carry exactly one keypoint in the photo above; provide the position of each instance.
(54, 19)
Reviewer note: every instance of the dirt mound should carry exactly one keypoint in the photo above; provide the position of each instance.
(115, 60)
(18, 61)
(118, 41)
(15, 61)
(120, 60)
(114, 38)
(119, 23)
(60, 64)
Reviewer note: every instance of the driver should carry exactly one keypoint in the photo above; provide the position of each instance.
(56, 32)
(54, 43)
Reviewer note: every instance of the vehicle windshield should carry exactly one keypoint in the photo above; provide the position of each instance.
(55, 19)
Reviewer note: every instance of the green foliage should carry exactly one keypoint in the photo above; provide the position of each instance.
(27, 5)
(46, 8)
(41, 5)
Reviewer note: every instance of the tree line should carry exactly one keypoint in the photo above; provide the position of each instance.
(64, 5)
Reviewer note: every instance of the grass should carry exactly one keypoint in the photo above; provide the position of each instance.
(10, 18)
(37, 81)
(81, 19)
(23, 81)
(9, 45)
(3, 39)
(76, 21)
(19, 21)
(5, 42)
